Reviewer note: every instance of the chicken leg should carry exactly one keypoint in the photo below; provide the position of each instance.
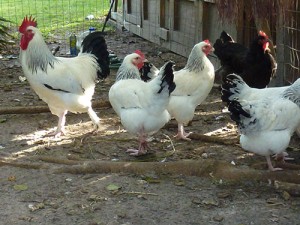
(143, 145)
(181, 133)
(270, 166)
(60, 130)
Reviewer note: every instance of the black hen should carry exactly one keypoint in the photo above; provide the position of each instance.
(255, 65)
(95, 44)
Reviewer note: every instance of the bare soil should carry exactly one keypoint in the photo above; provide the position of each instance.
(88, 178)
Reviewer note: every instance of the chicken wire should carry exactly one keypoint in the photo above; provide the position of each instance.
(57, 19)
(292, 43)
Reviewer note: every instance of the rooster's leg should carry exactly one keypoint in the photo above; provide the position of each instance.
(181, 133)
(60, 130)
(270, 164)
(94, 118)
(143, 145)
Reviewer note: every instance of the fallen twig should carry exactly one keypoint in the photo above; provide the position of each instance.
(45, 108)
(216, 169)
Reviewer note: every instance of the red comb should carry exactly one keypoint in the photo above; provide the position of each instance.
(140, 53)
(26, 23)
(207, 41)
(261, 33)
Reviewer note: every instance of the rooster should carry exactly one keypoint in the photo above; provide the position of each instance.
(255, 65)
(141, 105)
(266, 124)
(193, 84)
(65, 84)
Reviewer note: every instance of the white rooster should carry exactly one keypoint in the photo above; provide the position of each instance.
(141, 106)
(65, 84)
(193, 84)
(266, 124)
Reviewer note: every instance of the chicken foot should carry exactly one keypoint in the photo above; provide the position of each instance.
(143, 145)
(270, 166)
(60, 130)
(181, 133)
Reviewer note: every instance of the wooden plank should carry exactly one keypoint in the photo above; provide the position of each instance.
(176, 14)
(162, 14)
(145, 10)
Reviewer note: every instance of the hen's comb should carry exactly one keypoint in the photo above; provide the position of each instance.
(261, 33)
(27, 22)
(139, 52)
(207, 41)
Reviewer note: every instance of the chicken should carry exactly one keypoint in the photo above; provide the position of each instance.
(141, 105)
(255, 65)
(234, 88)
(130, 66)
(193, 84)
(65, 84)
(266, 124)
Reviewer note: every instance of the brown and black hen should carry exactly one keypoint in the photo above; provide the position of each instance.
(255, 65)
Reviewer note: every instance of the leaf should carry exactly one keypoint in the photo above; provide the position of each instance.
(3, 120)
(112, 187)
(20, 187)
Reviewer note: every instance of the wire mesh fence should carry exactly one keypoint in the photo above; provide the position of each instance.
(57, 19)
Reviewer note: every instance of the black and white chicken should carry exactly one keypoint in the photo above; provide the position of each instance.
(267, 124)
(141, 105)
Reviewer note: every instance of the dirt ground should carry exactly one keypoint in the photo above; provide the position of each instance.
(85, 178)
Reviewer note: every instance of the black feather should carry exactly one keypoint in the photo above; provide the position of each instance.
(236, 110)
(55, 89)
(145, 70)
(168, 77)
(255, 65)
(95, 44)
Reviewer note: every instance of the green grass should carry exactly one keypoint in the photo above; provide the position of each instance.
(56, 17)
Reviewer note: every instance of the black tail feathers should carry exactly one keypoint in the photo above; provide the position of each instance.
(168, 77)
(230, 83)
(236, 109)
(95, 44)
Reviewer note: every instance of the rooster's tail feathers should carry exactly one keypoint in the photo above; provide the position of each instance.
(167, 77)
(232, 87)
(95, 44)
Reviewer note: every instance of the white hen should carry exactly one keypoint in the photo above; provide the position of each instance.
(266, 124)
(234, 88)
(193, 84)
(142, 106)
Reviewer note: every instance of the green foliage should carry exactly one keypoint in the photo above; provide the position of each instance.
(4, 35)
(57, 18)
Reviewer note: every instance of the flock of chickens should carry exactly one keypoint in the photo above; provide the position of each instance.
(146, 98)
